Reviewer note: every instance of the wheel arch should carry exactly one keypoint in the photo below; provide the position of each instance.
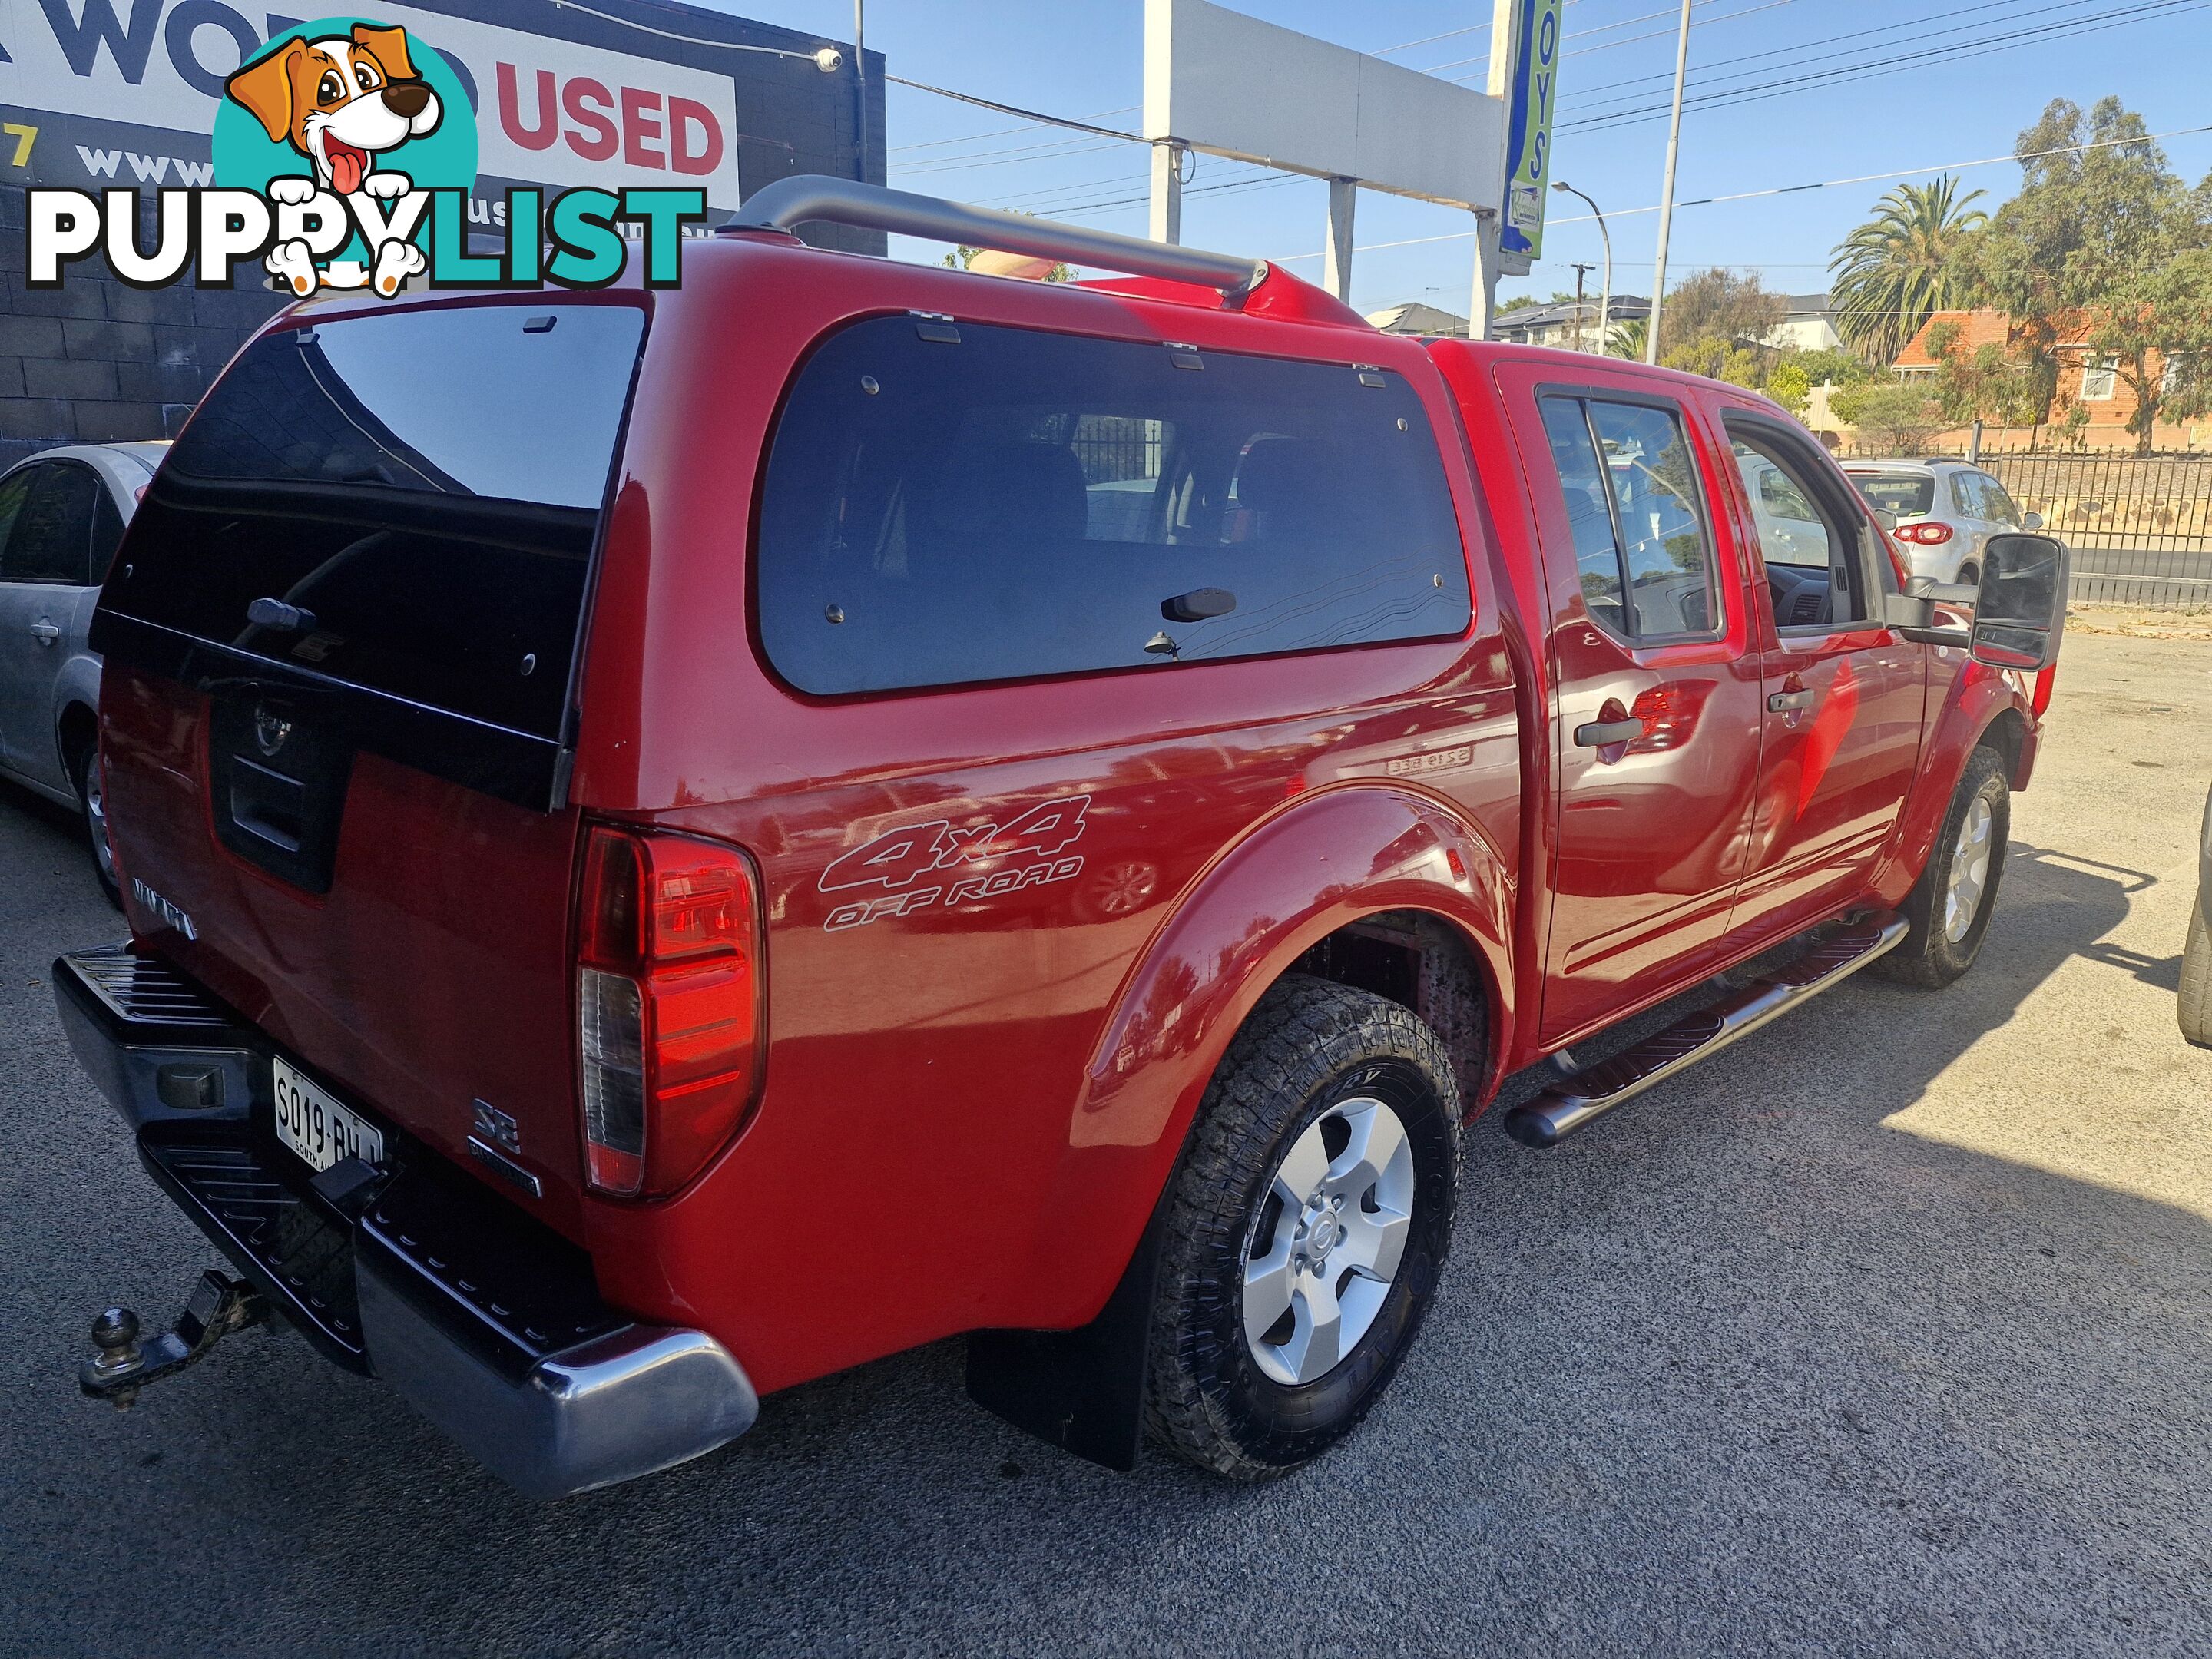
(1983, 709)
(1337, 884)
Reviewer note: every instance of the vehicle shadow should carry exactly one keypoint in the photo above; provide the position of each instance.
(1781, 1357)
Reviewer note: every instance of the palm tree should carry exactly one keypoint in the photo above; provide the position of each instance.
(1628, 338)
(1895, 271)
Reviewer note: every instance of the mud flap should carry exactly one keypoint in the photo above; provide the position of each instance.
(1081, 1390)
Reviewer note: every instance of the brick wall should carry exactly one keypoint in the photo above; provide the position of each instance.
(98, 361)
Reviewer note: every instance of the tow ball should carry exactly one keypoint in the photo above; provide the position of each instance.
(219, 1305)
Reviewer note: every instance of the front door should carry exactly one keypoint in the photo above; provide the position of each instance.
(1843, 694)
(1656, 708)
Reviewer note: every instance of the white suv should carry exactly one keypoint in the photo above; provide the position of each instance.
(1945, 512)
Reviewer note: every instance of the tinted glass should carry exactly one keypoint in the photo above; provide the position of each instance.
(426, 485)
(52, 539)
(1015, 503)
(1808, 547)
(1790, 528)
(14, 490)
(1582, 481)
(1664, 548)
(107, 535)
(1966, 495)
(1906, 495)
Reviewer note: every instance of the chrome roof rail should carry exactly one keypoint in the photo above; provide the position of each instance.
(811, 196)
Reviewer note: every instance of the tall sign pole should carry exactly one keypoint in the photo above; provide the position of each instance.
(1667, 191)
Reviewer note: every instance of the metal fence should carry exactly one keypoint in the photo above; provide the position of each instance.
(2140, 530)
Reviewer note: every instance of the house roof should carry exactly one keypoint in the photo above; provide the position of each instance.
(1975, 328)
(1415, 317)
(1622, 308)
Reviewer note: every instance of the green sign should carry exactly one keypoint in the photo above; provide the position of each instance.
(1528, 126)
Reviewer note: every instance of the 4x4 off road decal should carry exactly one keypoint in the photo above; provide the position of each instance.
(1029, 851)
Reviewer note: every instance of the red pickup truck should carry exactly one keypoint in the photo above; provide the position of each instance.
(678, 840)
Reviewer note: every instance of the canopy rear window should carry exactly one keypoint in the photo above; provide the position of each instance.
(421, 489)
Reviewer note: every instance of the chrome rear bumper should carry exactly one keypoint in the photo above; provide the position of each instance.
(489, 1323)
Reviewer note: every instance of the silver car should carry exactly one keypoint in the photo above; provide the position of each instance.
(1945, 512)
(61, 513)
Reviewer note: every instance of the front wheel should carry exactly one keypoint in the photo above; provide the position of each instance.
(1305, 1229)
(92, 806)
(1948, 908)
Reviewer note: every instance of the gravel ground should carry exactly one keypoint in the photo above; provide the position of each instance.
(1886, 1332)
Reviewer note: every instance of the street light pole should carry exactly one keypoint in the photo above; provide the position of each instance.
(1604, 291)
(1667, 193)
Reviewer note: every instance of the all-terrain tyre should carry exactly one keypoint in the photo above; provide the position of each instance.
(1949, 907)
(2196, 1004)
(92, 813)
(1331, 1128)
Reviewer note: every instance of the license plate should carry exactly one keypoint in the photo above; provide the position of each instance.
(316, 1127)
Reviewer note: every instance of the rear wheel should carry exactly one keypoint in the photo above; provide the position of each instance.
(2196, 977)
(92, 808)
(1970, 575)
(1305, 1229)
(1949, 909)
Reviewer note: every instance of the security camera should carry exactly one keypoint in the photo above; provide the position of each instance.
(829, 60)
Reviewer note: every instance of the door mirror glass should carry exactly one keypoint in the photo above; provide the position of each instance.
(2021, 610)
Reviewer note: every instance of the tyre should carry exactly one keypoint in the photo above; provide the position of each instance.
(92, 809)
(1948, 908)
(2196, 977)
(1305, 1229)
(1970, 575)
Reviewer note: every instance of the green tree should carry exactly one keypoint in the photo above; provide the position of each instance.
(1987, 383)
(1628, 337)
(1718, 305)
(1892, 272)
(1791, 379)
(1719, 358)
(963, 257)
(1895, 417)
(2104, 249)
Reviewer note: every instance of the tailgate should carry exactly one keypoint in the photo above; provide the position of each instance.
(339, 637)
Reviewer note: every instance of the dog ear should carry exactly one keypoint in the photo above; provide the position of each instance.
(389, 48)
(264, 88)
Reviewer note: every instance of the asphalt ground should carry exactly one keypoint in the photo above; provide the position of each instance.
(1885, 1332)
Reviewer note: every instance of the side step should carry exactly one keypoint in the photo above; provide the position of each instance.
(1560, 1111)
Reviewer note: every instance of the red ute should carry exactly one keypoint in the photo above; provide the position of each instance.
(677, 840)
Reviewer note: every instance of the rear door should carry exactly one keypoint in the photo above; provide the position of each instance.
(52, 509)
(1656, 713)
(336, 701)
(1841, 693)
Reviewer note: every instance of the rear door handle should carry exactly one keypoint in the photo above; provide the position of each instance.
(1783, 701)
(1600, 734)
(44, 632)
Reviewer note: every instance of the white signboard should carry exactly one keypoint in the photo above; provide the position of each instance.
(1231, 85)
(549, 111)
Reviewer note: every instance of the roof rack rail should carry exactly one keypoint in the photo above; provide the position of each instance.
(809, 196)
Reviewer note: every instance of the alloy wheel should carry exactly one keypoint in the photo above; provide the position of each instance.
(1326, 1245)
(1970, 869)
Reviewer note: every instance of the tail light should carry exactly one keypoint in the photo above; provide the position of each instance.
(1928, 533)
(2046, 684)
(668, 1001)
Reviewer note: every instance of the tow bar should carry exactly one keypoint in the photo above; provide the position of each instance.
(219, 1306)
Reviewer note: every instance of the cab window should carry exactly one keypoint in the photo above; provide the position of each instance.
(1637, 515)
(1808, 544)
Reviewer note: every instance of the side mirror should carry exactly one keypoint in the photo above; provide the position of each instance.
(2031, 521)
(2021, 610)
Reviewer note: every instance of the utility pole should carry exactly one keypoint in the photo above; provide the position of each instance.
(1581, 271)
(1165, 223)
(1667, 192)
(860, 77)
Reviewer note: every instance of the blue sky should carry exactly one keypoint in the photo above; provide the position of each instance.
(1084, 58)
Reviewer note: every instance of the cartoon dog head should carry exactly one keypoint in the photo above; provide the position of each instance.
(340, 101)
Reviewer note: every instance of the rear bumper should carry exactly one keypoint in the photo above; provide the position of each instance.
(489, 1323)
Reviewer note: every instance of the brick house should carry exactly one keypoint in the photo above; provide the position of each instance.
(2085, 380)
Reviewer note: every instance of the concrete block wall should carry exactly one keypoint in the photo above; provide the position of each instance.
(98, 361)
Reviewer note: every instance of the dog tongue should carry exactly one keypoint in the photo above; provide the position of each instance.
(345, 169)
